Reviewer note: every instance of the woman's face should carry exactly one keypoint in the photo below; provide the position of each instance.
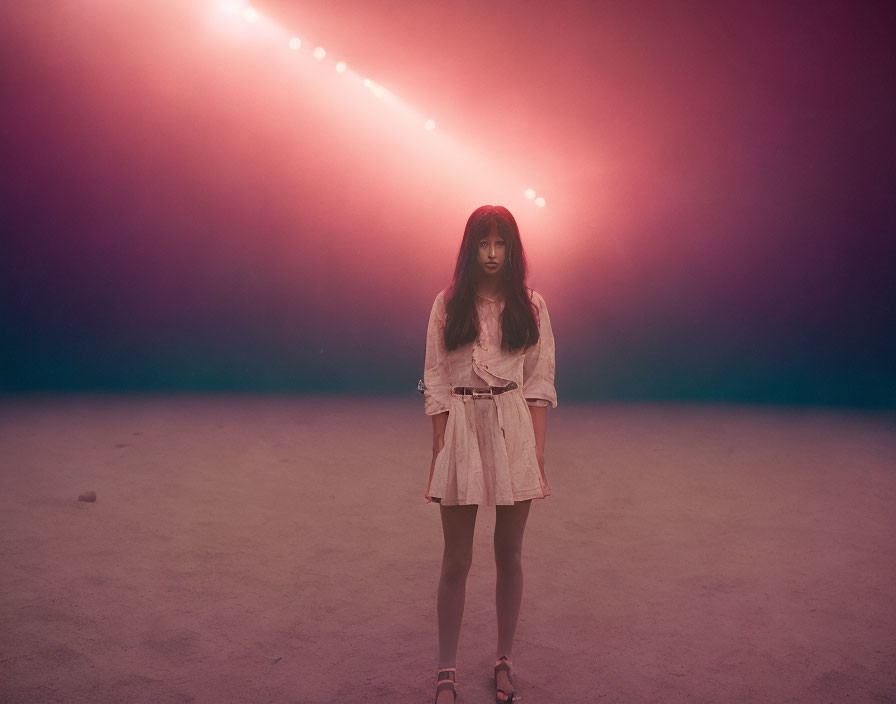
(490, 253)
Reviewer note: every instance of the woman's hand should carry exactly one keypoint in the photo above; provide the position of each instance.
(539, 427)
(437, 448)
(545, 488)
(439, 421)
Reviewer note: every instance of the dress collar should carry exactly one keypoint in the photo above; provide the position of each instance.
(488, 298)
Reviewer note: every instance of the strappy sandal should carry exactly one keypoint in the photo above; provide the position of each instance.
(503, 663)
(446, 682)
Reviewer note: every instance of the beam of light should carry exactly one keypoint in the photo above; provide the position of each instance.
(229, 7)
(375, 88)
(253, 17)
(241, 20)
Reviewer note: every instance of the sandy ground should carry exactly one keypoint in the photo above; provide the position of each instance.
(279, 549)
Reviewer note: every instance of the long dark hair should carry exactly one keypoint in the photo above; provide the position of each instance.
(519, 326)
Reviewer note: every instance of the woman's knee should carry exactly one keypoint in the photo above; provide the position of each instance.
(458, 523)
(456, 564)
(508, 557)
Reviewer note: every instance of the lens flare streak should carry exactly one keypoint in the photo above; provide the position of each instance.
(251, 16)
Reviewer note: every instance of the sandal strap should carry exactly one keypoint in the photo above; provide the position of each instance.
(449, 684)
(503, 663)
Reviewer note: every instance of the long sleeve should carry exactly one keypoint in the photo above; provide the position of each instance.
(435, 373)
(539, 362)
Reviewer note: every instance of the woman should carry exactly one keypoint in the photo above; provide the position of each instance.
(487, 383)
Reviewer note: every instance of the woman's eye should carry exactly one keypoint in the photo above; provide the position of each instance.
(500, 243)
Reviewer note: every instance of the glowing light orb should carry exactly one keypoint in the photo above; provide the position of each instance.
(375, 88)
(430, 125)
(295, 43)
(539, 202)
(250, 14)
(530, 193)
(341, 66)
(319, 52)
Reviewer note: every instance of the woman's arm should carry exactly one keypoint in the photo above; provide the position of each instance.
(538, 383)
(439, 422)
(436, 377)
(539, 425)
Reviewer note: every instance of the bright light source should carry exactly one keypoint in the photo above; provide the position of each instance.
(375, 88)
(242, 8)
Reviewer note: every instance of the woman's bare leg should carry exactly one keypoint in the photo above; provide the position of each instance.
(458, 523)
(510, 523)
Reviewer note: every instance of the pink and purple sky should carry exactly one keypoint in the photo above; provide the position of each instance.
(189, 203)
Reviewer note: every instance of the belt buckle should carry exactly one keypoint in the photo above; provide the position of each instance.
(480, 394)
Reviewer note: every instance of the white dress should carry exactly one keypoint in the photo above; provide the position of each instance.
(489, 454)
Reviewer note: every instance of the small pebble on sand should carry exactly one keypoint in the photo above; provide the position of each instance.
(89, 496)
